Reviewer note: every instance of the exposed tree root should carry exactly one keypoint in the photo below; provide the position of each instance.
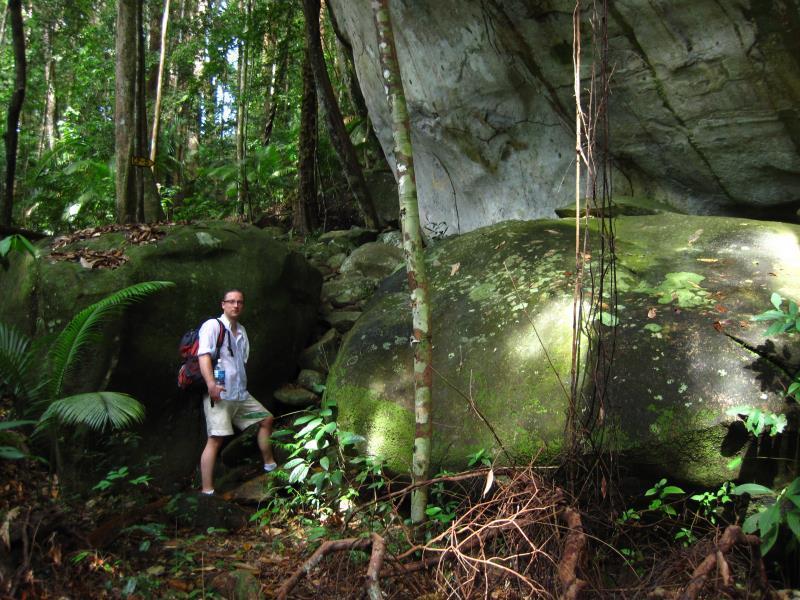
(572, 555)
(732, 536)
(373, 571)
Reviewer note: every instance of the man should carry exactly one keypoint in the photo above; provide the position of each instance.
(226, 404)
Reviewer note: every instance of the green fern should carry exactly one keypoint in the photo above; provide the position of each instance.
(18, 373)
(85, 329)
(41, 387)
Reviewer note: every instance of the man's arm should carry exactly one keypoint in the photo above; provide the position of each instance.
(207, 369)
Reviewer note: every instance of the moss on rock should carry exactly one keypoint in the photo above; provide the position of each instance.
(683, 349)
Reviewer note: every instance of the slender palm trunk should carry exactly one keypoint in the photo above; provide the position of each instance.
(243, 196)
(415, 260)
(148, 200)
(159, 86)
(11, 136)
(49, 133)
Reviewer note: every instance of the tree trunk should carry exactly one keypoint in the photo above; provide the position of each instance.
(353, 88)
(159, 86)
(154, 44)
(306, 199)
(279, 68)
(149, 202)
(137, 197)
(333, 117)
(11, 137)
(124, 111)
(413, 250)
(242, 195)
(49, 133)
(3, 25)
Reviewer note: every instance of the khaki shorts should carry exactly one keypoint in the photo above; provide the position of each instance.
(221, 418)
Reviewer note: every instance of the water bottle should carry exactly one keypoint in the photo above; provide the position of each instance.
(219, 375)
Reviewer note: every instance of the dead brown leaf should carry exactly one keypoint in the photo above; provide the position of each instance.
(651, 314)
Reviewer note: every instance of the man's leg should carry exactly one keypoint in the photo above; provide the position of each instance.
(264, 443)
(207, 460)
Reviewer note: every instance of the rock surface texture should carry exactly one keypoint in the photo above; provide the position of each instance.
(686, 351)
(704, 109)
(138, 353)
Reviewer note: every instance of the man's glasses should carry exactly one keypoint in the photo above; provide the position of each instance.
(238, 302)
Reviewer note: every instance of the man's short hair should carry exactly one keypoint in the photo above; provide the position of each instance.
(226, 292)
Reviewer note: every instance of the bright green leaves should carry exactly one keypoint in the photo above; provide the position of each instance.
(757, 421)
(661, 493)
(783, 511)
(785, 320)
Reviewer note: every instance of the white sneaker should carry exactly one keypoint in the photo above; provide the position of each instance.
(269, 467)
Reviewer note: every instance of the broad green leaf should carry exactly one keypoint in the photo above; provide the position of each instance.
(608, 319)
(769, 315)
(303, 419)
(258, 414)
(734, 464)
(325, 462)
(15, 424)
(753, 489)
(293, 463)
(770, 518)
(672, 489)
(299, 473)
(11, 453)
(281, 433)
(776, 300)
(750, 524)
(775, 328)
(309, 427)
(348, 438)
(768, 540)
(325, 412)
(793, 521)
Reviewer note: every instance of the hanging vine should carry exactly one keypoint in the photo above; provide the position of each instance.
(595, 291)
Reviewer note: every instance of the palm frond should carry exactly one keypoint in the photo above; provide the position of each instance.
(16, 359)
(84, 328)
(97, 410)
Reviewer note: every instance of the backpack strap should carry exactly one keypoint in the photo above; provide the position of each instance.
(220, 336)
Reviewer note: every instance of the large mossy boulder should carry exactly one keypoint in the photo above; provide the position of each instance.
(138, 352)
(685, 351)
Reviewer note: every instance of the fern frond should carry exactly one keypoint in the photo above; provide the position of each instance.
(96, 410)
(16, 359)
(84, 328)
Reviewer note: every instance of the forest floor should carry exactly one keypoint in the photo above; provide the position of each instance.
(116, 546)
(47, 550)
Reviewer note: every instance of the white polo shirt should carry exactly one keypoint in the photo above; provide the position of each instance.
(233, 364)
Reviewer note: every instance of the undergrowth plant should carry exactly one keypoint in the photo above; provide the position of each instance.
(38, 386)
(324, 472)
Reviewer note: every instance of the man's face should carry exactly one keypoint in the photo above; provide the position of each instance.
(232, 305)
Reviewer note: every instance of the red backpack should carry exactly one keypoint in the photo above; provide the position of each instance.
(190, 379)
